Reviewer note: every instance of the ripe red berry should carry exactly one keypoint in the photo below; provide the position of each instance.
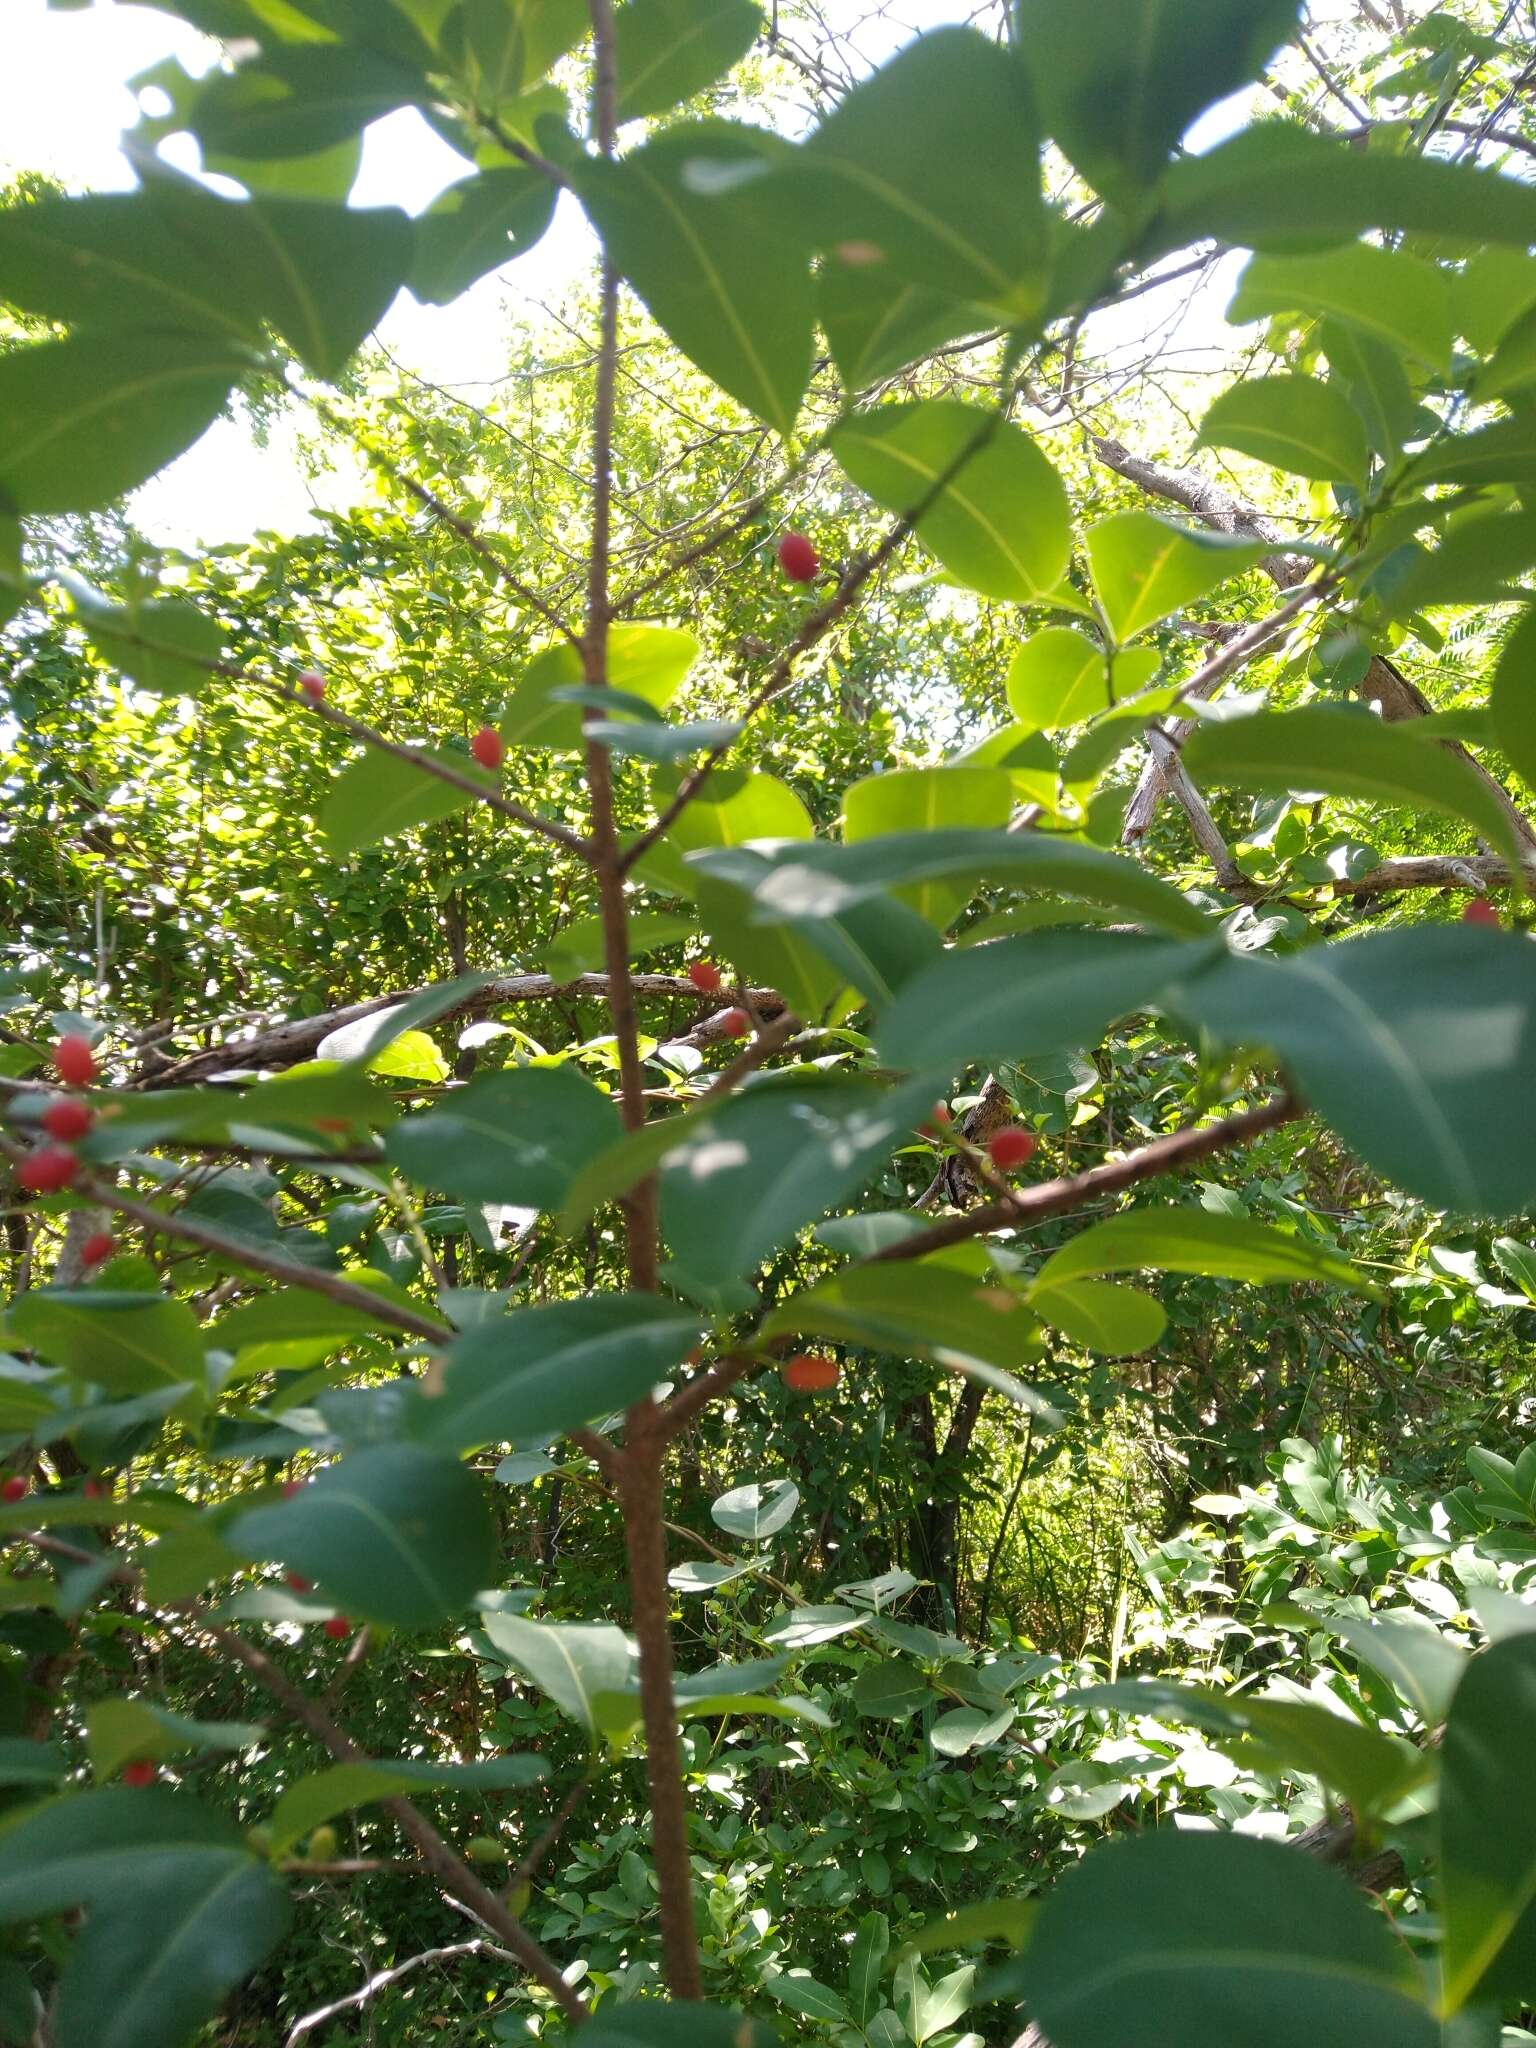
(291, 1487)
(797, 558)
(48, 1169)
(338, 1626)
(734, 1023)
(140, 1772)
(13, 1489)
(297, 1583)
(487, 747)
(1480, 911)
(1011, 1147)
(809, 1374)
(94, 1490)
(706, 977)
(312, 683)
(67, 1117)
(101, 1244)
(74, 1060)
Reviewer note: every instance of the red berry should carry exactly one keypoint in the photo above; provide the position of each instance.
(297, 1583)
(67, 1117)
(1011, 1147)
(1480, 911)
(338, 1626)
(706, 977)
(140, 1772)
(47, 1169)
(74, 1060)
(291, 1487)
(13, 1489)
(94, 1490)
(312, 683)
(101, 1244)
(734, 1023)
(808, 1374)
(797, 558)
(487, 747)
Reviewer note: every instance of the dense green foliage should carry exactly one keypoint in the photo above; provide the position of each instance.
(964, 1465)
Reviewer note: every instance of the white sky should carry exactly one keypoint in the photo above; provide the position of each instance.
(63, 103)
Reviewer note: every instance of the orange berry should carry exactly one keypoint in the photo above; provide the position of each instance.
(706, 977)
(809, 1374)
(734, 1024)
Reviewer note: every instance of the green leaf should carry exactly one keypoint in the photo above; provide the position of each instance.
(801, 1992)
(518, 1136)
(1348, 753)
(1502, 453)
(160, 644)
(685, 221)
(1400, 299)
(758, 1510)
(395, 1533)
(866, 1958)
(1484, 558)
(927, 800)
(308, 1802)
(705, 1578)
(1120, 82)
(506, 46)
(922, 1309)
(1294, 423)
(1099, 1316)
(98, 414)
(298, 1314)
(662, 742)
(930, 171)
(296, 100)
(666, 2023)
(578, 949)
(379, 795)
(1277, 186)
(889, 1691)
(126, 1343)
(646, 661)
(769, 1162)
(876, 323)
(1188, 1240)
(812, 879)
(963, 1729)
(1416, 1659)
(540, 1371)
(999, 522)
(477, 225)
(1224, 1939)
(1040, 992)
(1058, 678)
(117, 1730)
(1145, 567)
(1488, 1828)
(1411, 1043)
(668, 50)
(23, 1762)
(88, 1848)
(151, 1966)
(578, 1664)
(1377, 384)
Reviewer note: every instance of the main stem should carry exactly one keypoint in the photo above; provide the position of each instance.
(640, 1468)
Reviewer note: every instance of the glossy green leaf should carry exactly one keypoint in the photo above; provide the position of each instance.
(1224, 1939)
(24, 1762)
(890, 1691)
(1512, 705)
(1502, 453)
(663, 2023)
(1119, 82)
(758, 1510)
(98, 414)
(160, 644)
(1118, 1321)
(477, 225)
(299, 99)
(922, 1309)
(876, 323)
(518, 1136)
(505, 46)
(1376, 382)
(668, 50)
(1483, 558)
(87, 1848)
(395, 1533)
(1190, 1240)
(684, 221)
(996, 513)
(1488, 1847)
(929, 172)
(964, 1729)
(1399, 298)
(379, 795)
(309, 1801)
(1294, 423)
(770, 1162)
(1410, 1043)
(118, 1730)
(1414, 1657)
(540, 1371)
(802, 1993)
(1040, 992)
(1145, 567)
(1349, 753)
(1057, 678)
(578, 1664)
(1277, 186)
(927, 800)
(646, 661)
(126, 1343)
